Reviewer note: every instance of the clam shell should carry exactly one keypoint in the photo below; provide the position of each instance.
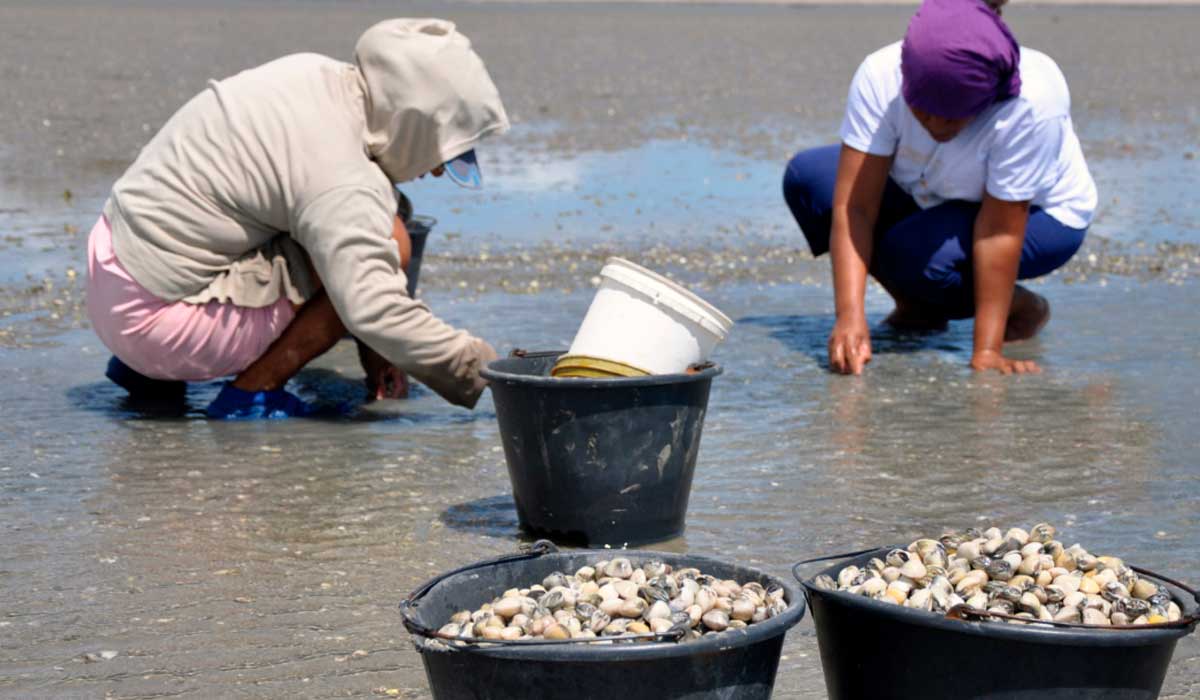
(1092, 616)
(716, 620)
(619, 568)
(1042, 532)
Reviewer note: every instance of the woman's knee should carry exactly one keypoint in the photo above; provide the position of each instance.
(808, 183)
(924, 259)
(809, 178)
(1048, 245)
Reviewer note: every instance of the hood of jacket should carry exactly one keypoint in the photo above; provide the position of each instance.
(429, 98)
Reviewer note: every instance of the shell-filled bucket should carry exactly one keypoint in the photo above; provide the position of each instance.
(645, 322)
(733, 665)
(875, 649)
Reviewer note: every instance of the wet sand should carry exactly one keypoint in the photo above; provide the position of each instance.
(266, 560)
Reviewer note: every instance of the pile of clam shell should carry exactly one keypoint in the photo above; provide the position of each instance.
(614, 599)
(1025, 574)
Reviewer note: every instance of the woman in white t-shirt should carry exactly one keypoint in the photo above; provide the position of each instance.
(959, 173)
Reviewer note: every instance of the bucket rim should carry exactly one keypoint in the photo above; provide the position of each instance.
(640, 651)
(611, 368)
(1032, 633)
(702, 312)
(417, 225)
(493, 374)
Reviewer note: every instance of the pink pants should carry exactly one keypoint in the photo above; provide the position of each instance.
(173, 340)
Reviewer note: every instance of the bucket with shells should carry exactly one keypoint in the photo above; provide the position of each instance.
(627, 624)
(1066, 622)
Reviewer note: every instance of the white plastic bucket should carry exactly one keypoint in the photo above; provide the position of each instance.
(645, 320)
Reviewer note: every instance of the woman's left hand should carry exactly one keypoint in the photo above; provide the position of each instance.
(388, 383)
(996, 253)
(991, 359)
(384, 380)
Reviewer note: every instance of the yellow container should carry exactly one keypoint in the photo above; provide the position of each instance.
(593, 367)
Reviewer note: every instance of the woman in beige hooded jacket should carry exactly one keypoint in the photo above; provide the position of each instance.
(256, 228)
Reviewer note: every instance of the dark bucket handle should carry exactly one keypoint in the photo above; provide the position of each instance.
(523, 353)
(532, 551)
(964, 612)
(537, 549)
(829, 557)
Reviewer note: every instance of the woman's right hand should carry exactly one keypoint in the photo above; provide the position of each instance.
(861, 179)
(993, 359)
(849, 345)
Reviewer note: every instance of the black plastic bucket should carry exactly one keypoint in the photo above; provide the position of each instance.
(597, 462)
(878, 650)
(738, 665)
(418, 230)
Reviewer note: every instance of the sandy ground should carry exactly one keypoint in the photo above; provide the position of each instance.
(266, 560)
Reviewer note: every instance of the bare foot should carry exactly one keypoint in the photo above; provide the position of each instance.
(912, 317)
(1029, 313)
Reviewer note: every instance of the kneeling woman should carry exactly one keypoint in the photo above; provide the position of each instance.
(959, 173)
(259, 225)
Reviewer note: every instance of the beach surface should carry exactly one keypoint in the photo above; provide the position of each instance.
(148, 555)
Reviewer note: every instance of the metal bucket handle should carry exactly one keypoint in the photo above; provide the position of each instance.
(522, 353)
(966, 612)
(537, 549)
(831, 557)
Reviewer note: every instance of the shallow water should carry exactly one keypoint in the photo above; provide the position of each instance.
(246, 558)
(263, 560)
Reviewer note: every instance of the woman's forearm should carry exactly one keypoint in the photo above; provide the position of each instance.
(996, 253)
(850, 247)
(861, 178)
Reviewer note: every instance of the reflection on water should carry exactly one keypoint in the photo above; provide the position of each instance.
(494, 516)
(651, 193)
(334, 396)
(809, 335)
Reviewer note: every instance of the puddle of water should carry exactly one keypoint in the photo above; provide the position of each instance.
(643, 195)
(659, 192)
(1145, 177)
(662, 190)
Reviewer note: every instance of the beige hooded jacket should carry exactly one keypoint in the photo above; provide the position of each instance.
(299, 156)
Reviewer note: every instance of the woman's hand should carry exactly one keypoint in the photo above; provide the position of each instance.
(849, 345)
(990, 359)
(996, 253)
(383, 380)
(861, 179)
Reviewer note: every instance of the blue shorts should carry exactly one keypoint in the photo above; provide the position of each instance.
(920, 255)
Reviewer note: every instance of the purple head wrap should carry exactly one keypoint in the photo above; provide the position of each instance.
(958, 58)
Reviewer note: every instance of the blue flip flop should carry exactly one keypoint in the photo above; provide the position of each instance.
(140, 386)
(236, 404)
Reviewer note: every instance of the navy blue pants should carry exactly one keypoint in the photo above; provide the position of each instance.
(920, 255)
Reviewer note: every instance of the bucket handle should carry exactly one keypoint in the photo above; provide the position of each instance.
(965, 612)
(829, 557)
(533, 551)
(530, 551)
(522, 353)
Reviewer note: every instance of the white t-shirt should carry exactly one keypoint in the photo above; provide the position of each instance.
(1021, 149)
